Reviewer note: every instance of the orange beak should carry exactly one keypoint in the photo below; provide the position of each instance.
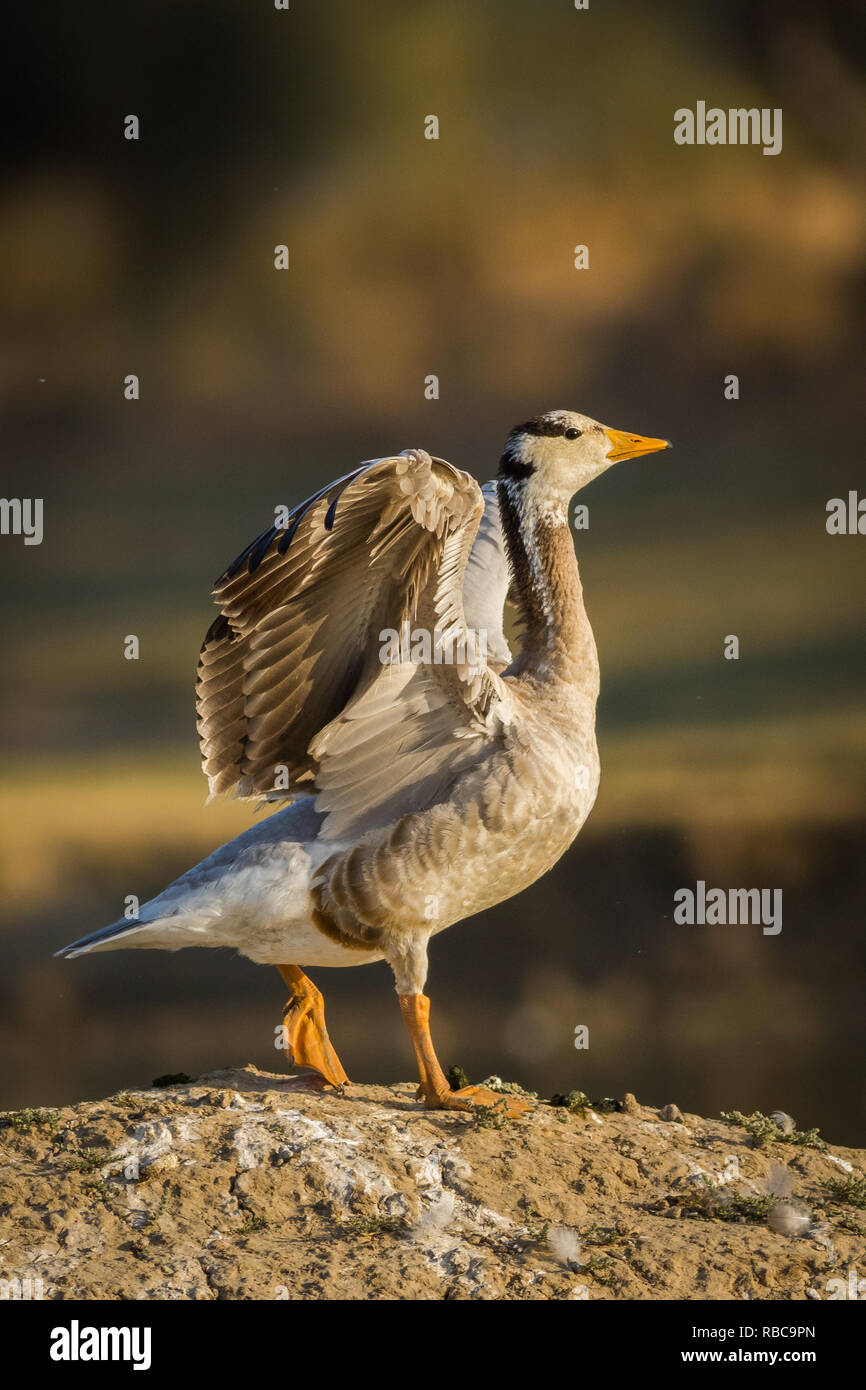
(631, 446)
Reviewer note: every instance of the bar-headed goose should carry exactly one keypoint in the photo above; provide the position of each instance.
(358, 669)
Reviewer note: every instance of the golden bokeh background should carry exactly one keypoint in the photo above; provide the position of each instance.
(453, 257)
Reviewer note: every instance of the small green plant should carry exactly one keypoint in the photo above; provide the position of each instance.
(158, 1210)
(491, 1116)
(23, 1120)
(851, 1190)
(765, 1131)
(603, 1235)
(507, 1088)
(575, 1102)
(457, 1078)
(252, 1223)
(89, 1160)
(534, 1222)
(374, 1225)
(705, 1202)
(740, 1207)
(603, 1270)
(844, 1222)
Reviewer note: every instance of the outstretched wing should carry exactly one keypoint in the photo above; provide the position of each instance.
(286, 666)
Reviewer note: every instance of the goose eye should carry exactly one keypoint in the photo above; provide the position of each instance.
(572, 434)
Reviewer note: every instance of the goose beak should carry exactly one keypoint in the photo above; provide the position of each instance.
(630, 446)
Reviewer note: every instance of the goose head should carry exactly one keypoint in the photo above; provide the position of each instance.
(555, 455)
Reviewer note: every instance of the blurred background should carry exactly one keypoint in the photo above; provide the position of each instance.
(411, 257)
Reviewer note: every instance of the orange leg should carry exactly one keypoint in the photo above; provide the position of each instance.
(306, 1036)
(434, 1089)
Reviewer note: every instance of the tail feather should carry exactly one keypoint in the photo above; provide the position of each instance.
(95, 939)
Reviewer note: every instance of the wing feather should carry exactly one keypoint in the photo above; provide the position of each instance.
(289, 675)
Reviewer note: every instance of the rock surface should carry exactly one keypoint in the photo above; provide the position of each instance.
(242, 1186)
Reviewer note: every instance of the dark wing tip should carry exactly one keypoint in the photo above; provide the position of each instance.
(253, 555)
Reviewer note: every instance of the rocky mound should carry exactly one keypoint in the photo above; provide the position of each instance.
(241, 1185)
